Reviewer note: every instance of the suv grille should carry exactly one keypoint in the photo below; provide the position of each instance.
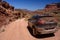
(48, 26)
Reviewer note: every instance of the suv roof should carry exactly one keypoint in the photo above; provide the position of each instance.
(40, 16)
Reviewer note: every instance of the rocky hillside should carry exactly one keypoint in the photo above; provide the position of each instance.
(7, 13)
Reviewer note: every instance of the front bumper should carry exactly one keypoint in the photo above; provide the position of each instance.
(47, 31)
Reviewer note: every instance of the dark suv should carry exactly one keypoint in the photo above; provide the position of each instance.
(42, 24)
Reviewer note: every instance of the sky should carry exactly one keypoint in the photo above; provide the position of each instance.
(30, 4)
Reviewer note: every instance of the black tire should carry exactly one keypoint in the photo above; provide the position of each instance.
(34, 32)
(51, 33)
(30, 30)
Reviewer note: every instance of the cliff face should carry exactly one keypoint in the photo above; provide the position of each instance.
(54, 6)
(50, 9)
(6, 11)
(6, 5)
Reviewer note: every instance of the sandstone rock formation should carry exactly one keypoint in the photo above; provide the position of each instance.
(6, 12)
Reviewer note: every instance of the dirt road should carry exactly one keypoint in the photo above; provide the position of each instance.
(18, 31)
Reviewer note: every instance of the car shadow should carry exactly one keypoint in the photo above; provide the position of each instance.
(40, 35)
(44, 35)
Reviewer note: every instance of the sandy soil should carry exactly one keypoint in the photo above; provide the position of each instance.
(18, 31)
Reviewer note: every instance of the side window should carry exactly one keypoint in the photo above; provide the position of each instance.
(32, 20)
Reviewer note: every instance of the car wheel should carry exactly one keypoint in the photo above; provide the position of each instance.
(34, 32)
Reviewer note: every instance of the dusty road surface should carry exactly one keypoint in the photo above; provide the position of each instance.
(18, 31)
